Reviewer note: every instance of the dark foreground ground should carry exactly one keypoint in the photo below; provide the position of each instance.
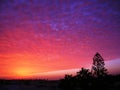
(53, 85)
(28, 85)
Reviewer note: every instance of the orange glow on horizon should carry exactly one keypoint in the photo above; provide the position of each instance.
(22, 72)
(26, 66)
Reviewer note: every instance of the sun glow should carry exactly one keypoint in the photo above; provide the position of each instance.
(22, 72)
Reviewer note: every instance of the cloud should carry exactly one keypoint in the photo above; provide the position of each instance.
(113, 66)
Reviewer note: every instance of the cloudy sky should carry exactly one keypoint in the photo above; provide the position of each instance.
(53, 36)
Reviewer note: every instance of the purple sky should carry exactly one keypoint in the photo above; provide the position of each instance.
(64, 33)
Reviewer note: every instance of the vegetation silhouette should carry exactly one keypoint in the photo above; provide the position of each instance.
(95, 79)
(98, 69)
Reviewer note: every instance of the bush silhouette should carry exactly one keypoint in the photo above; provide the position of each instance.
(83, 74)
(67, 83)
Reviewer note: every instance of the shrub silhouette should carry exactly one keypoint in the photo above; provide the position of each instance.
(67, 83)
(80, 80)
(83, 78)
(83, 74)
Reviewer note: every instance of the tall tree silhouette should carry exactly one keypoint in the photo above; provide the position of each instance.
(98, 68)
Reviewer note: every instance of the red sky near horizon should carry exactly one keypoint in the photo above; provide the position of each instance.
(50, 38)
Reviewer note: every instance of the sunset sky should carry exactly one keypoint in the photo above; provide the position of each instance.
(50, 38)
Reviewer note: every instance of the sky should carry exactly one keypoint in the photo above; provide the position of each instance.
(50, 38)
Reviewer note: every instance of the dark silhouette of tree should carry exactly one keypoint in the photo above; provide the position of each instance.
(68, 77)
(83, 78)
(68, 83)
(83, 73)
(98, 68)
(65, 81)
(88, 80)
